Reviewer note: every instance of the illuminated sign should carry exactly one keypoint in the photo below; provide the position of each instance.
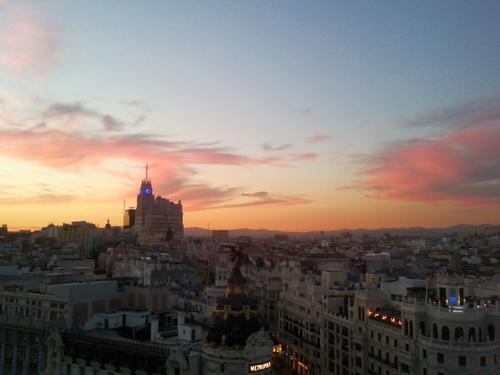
(260, 366)
(453, 300)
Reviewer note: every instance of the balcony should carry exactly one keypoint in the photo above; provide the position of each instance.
(462, 343)
(456, 313)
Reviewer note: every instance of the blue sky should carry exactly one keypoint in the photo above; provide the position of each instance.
(244, 73)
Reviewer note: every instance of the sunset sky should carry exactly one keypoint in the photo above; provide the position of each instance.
(291, 115)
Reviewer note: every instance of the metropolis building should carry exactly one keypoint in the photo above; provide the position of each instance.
(235, 342)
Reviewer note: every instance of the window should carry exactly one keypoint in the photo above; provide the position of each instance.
(407, 347)
(445, 333)
(472, 334)
(491, 332)
(395, 343)
(387, 340)
(422, 328)
(459, 333)
(462, 360)
(440, 358)
(483, 361)
(424, 371)
(405, 368)
(424, 353)
(222, 367)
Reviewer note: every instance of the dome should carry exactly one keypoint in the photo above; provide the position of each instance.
(235, 316)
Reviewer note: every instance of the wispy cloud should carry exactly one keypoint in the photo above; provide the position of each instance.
(474, 113)
(258, 194)
(319, 138)
(74, 114)
(27, 45)
(269, 147)
(303, 157)
(261, 199)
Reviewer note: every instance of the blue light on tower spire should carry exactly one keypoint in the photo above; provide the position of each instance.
(146, 187)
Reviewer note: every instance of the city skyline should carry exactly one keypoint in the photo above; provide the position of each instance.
(276, 115)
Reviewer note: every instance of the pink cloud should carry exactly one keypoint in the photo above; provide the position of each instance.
(173, 162)
(462, 167)
(66, 150)
(303, 157)
(26, 44)
(320, 138)
(63, 137)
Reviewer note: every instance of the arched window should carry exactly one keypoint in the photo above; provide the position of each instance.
(491, 332)
(435, 331)
(445, 333)
(459, 333)
(422, 328)
(472, 334)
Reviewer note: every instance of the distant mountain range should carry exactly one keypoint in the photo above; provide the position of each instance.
(412, 231)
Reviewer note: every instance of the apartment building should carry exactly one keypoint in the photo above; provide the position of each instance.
(434, 326)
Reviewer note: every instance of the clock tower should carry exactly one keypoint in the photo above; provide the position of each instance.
(145, 199)
(157, 220)
(146, 187)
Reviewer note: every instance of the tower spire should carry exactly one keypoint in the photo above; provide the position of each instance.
(147, 171)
